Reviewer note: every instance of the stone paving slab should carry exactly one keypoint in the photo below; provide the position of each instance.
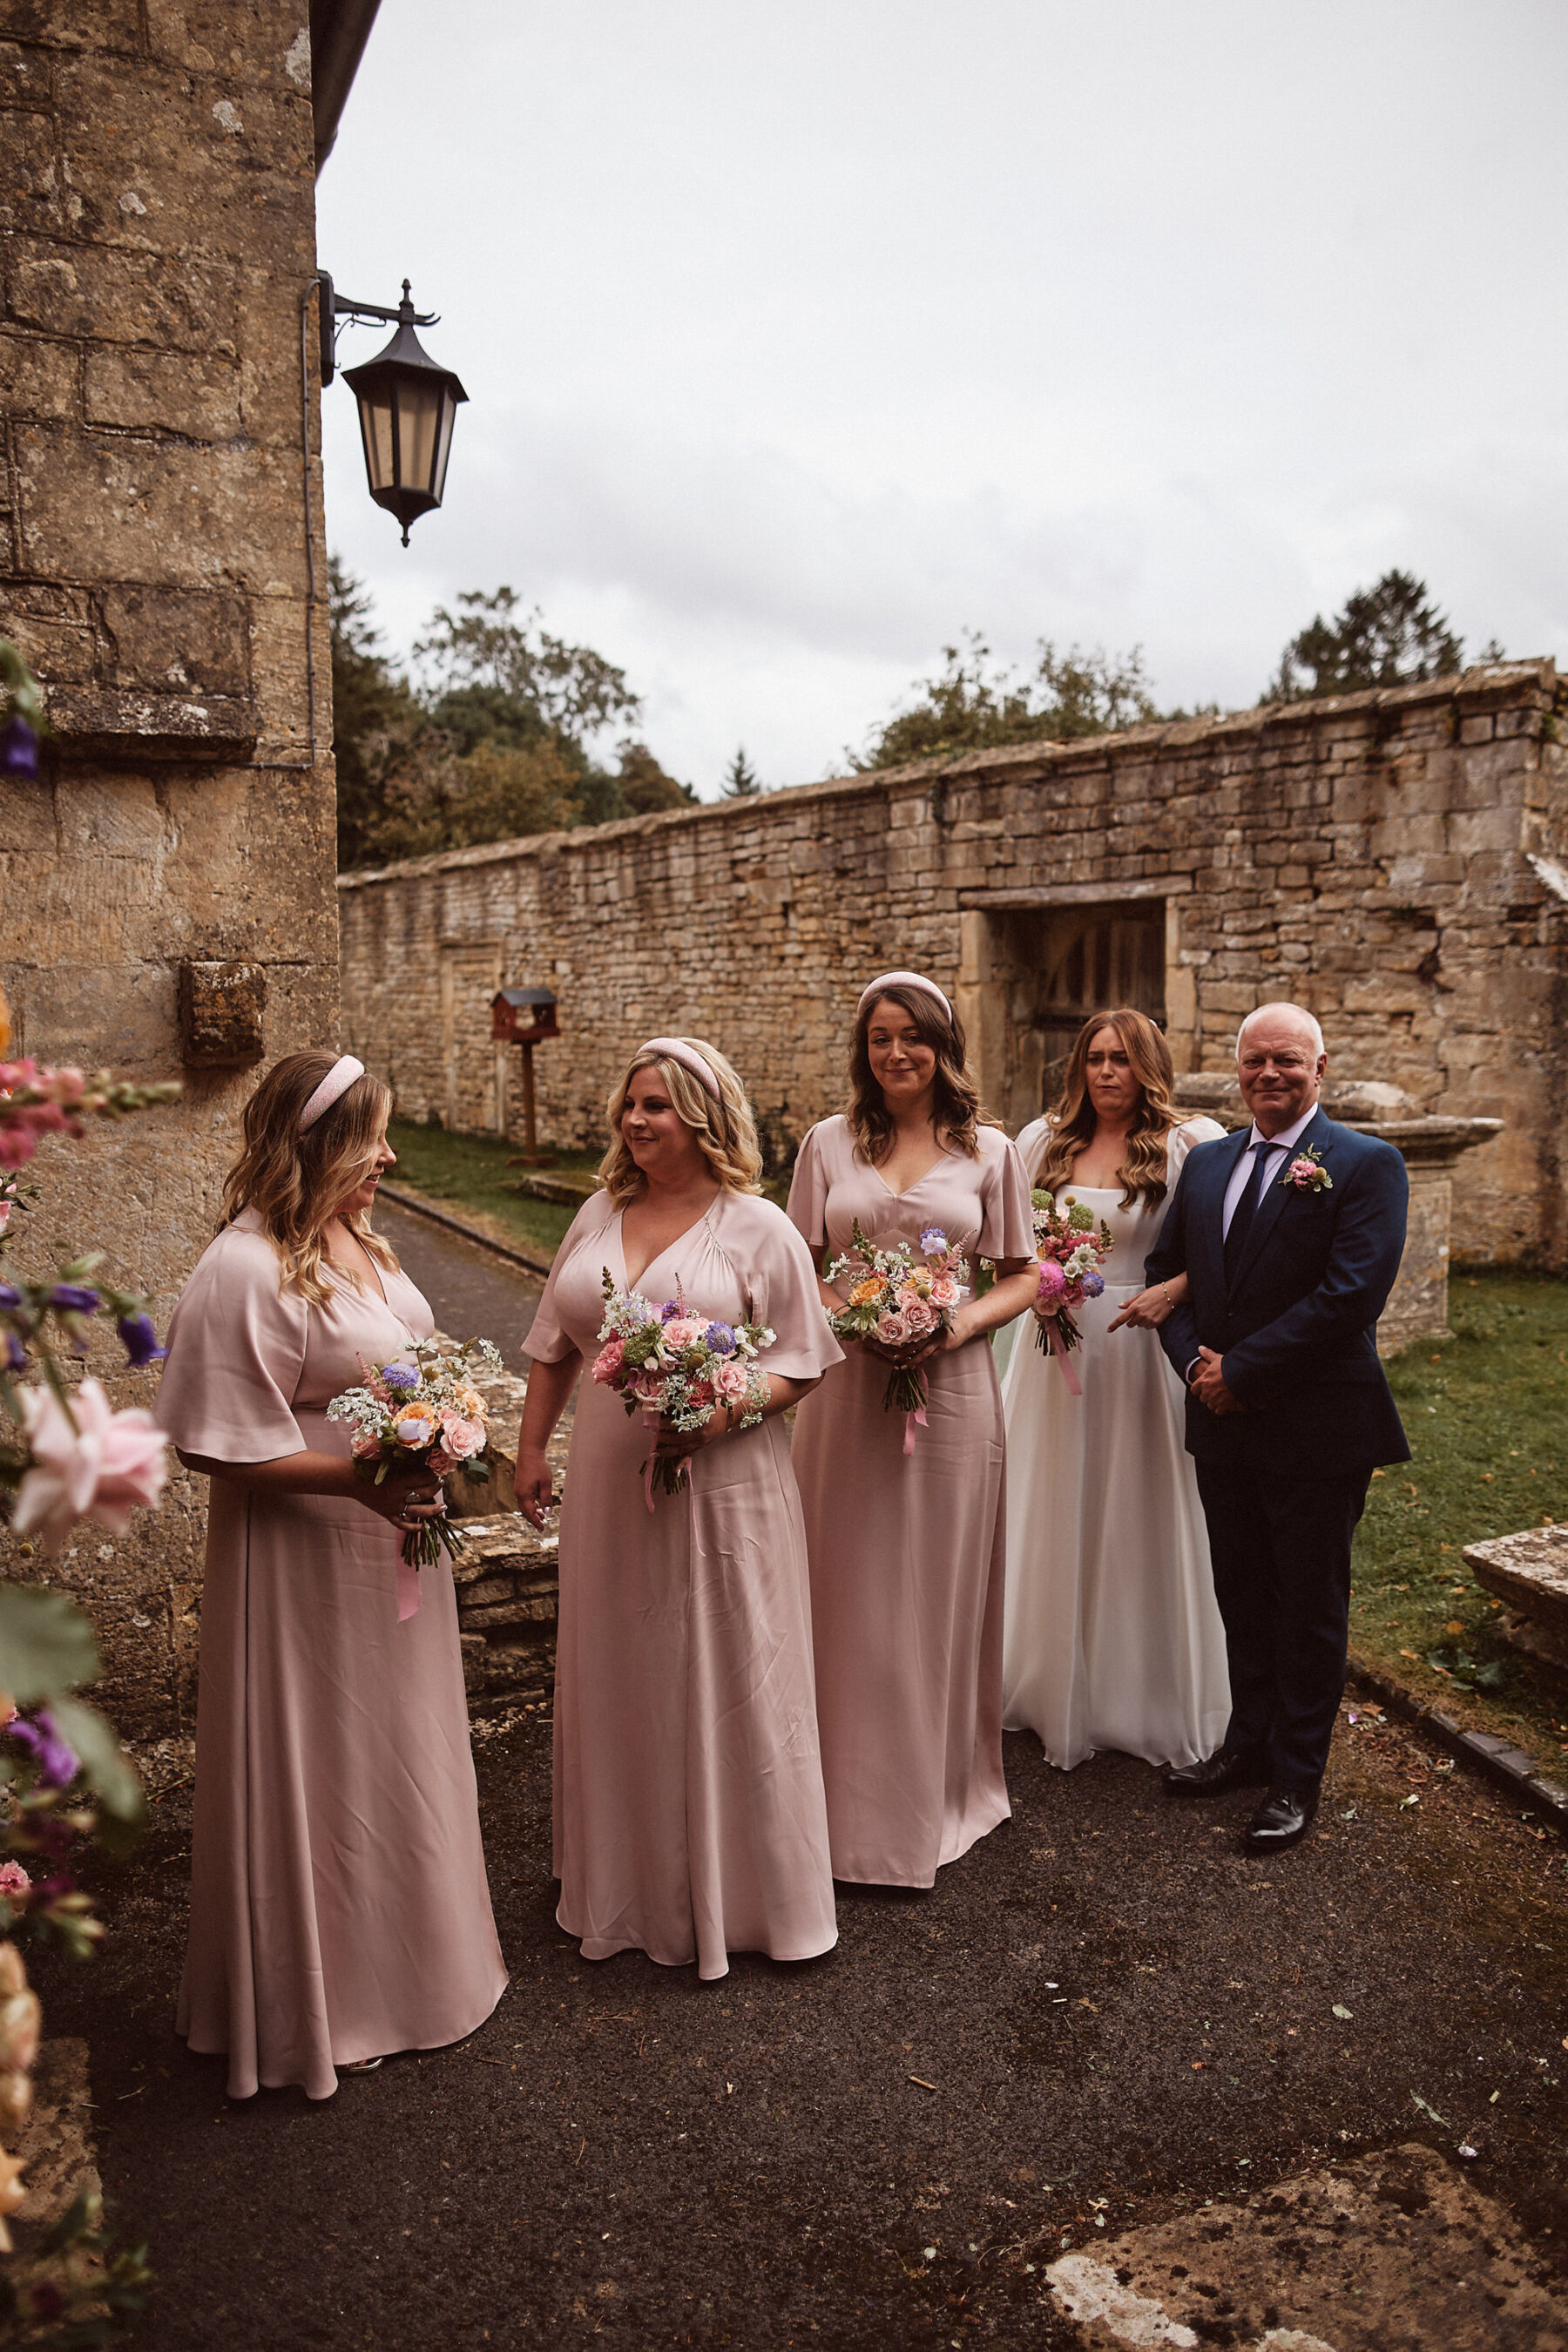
(1394, 2252)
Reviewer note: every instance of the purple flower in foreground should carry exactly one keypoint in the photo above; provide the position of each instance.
(400, 1376)
(720, 1338)
(19, 749)
(934, 1241)
(15, 1355)
(669, 1311)
(10, 1295)
(57, 1763)
(75, 1298)
(1093, 1284)
(140, 1340)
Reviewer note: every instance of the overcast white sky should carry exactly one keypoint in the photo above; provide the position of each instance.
(799, 338)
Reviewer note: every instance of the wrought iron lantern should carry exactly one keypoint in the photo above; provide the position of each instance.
(407, 403)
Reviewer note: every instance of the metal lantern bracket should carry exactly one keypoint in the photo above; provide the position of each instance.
(335, 306)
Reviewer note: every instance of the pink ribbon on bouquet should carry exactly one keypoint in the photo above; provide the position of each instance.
(1075, 1387)
(910, 1419)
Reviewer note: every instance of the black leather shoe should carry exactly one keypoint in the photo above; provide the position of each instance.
(1282, 1818)
(1228, 1768)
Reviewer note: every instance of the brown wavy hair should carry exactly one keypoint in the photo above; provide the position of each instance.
(1142, 1170)
(296, 1182)
(957, 1112)
(726, 1131)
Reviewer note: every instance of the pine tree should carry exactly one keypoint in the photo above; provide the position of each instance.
(1392, 635)
(741, 782)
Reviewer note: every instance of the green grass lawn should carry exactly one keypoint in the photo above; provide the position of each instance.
(1487, 1416)
(469, 1175)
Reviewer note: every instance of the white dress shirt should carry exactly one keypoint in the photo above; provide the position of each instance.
(1280, 1147)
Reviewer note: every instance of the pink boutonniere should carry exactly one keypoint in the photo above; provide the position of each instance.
(1307, 1173)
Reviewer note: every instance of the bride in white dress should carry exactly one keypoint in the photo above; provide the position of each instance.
(1113, 1637)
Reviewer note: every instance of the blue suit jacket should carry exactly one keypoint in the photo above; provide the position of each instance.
(1297, 1327)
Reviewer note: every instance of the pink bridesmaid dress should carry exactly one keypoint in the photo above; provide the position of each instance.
(690, 1820)
(339, 1904)
(908, 1550)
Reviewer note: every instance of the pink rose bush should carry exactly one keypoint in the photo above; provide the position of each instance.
(89, 1463)
(675, 1367)
(424, 1414)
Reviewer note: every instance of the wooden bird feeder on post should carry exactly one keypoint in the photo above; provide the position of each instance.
(525, 1017)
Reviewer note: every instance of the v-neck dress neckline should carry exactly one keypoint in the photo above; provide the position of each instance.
(669, 1248)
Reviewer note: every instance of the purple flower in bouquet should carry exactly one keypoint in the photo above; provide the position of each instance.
(721, 1337)
(140, 1340)
(400, 1376)
(934, 1240)
(58, 1762)
(19, 749)
(670, 1309)
(1091, 1283)
(75, 1298)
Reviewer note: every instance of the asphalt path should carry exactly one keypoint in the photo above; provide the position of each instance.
(1107, 2013)
(474, 1294)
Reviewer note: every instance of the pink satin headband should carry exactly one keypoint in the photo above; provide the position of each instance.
(887, 980)
(337, 1082)
(670, 1049)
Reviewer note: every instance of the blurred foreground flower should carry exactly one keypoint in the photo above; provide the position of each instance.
(92, 1462)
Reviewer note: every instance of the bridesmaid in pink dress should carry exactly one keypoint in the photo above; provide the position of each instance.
(690, 1820)
(908, 1550)
(338, 1905)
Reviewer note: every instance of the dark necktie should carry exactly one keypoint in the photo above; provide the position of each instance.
(1246, 1208)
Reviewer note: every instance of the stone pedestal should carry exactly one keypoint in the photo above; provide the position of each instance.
(1529, 1572)
(1431, 1148)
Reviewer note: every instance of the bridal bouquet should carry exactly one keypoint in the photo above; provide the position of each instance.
(674, 1367)
(1071, 1253)
(424, 1415)
(900, 1300)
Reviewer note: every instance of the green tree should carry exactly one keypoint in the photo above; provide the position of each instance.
(644, 786)
(977, 705)
(374, 710)
(492, 670)
(1392, 635)
(741, 782)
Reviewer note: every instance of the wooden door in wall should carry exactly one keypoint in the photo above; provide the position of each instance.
(1095, 958)
(473, 1068)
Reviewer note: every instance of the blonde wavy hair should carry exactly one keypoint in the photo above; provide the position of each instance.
(726, 1131)
(296, 1183)
(956, 1112)
(1142, 1170)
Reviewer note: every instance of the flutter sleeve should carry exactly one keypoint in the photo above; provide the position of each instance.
(1031, 1143)
(548, 1341)
(1006, 1226)
(807, 1209)
(785, 1295)
(1183, 1138)
(237, 1347)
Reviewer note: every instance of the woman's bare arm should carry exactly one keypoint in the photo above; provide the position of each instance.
(403, 1494)
(549, 1388)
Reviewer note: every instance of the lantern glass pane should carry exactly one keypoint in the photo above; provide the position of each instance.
(443, 445)
(419, 406)
(375, 426)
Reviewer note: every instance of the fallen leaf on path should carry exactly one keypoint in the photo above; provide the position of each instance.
(1339, 2010)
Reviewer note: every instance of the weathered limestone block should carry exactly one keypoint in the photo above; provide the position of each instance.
(176, 639)
(162, 392)
(172, 304)
(1529, 1572)
(40, 381)
(100, 508)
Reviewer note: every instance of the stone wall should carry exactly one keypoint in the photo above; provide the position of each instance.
(1371, 856)
(156, 241)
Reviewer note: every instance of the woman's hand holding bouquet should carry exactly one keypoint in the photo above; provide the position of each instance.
(902, 1307)
(412, 1423)
(693, 1379)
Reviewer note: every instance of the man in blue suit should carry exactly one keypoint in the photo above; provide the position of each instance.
(1290, 1232)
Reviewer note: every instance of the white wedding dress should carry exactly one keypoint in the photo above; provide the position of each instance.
(1113, 1637)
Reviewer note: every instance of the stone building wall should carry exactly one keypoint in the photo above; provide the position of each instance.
(1370, 857)
(156, 240)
